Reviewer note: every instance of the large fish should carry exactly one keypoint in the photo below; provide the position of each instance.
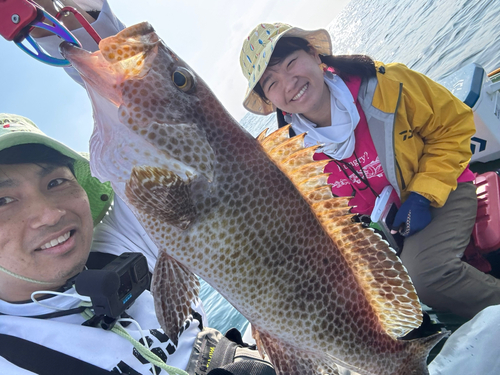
(318, 289)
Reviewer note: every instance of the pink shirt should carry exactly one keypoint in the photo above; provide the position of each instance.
(364, 161)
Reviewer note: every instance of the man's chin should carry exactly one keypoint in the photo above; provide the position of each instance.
(64, 275)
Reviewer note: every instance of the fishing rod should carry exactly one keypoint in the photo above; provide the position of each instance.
(19, 17)
(496, 71)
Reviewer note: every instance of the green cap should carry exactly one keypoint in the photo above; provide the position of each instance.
(17, 130)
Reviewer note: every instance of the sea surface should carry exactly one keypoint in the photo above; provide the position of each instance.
(434, 37)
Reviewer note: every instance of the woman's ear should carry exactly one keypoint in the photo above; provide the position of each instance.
(312, 51)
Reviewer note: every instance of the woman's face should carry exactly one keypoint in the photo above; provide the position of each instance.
(296, 84)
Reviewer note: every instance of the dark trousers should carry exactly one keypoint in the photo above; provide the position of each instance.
(432, 258)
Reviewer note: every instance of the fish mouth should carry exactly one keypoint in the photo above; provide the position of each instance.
(124, 56)
(132, 83)
(95, 71)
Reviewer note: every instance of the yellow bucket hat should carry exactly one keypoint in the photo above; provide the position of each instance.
(17, 130)
(257, 50)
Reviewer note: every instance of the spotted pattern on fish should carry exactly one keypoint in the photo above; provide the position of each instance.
(172, 310)
(255, 237)
(377, 268)
(285, 362)
(126, 48)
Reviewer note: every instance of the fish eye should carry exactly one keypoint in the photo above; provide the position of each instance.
(183, 79)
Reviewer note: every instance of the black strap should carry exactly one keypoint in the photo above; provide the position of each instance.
(282, 122)
(44, 361)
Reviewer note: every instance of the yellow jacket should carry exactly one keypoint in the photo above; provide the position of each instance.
(420, 130)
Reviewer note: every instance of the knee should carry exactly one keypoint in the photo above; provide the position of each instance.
(432, 281)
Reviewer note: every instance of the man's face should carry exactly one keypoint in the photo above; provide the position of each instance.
(45, 228)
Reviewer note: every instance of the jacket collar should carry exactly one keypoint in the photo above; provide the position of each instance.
(386, 92)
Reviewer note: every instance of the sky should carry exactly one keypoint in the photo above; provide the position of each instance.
(207, 35)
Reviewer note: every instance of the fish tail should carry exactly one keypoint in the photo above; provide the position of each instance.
(420, 349)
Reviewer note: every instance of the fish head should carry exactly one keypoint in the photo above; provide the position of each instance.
(144, 99)
(120, 58)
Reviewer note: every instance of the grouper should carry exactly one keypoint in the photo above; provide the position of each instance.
(253, 217)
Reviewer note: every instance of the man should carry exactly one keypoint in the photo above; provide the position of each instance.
(49, 204)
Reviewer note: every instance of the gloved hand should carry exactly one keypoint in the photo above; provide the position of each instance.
(413, 215)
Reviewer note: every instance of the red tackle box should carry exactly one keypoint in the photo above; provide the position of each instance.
(486, 232)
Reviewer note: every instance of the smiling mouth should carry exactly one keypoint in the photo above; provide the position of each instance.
(57, 241)
(301, 92)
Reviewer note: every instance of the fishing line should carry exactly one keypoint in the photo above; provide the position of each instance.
(142, 348)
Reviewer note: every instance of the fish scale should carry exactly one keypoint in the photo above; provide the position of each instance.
(318, 289)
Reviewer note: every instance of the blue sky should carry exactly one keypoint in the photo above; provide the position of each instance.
(206, 34)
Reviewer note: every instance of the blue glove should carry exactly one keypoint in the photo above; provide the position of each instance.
(413, 215)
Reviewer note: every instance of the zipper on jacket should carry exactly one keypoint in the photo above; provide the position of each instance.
(403, 184)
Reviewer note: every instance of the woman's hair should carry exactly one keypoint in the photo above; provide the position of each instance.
(344, 65)
(34, 153)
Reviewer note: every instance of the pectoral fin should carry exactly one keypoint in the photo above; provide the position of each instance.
(162, 194)
(174, 287)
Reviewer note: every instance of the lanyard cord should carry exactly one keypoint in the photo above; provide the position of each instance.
(142, 349)
(363, 179)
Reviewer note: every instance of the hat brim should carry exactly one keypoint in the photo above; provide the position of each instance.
(319, 39)
(100, 194)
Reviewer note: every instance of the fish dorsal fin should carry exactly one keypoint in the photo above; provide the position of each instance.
(376, 266)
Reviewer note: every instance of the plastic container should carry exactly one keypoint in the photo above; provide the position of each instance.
(486, 232)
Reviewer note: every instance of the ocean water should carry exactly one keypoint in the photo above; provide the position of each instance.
(435, 37)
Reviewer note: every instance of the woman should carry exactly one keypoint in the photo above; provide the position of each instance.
(382, 125)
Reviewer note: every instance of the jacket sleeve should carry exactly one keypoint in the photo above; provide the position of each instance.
(445, 126)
